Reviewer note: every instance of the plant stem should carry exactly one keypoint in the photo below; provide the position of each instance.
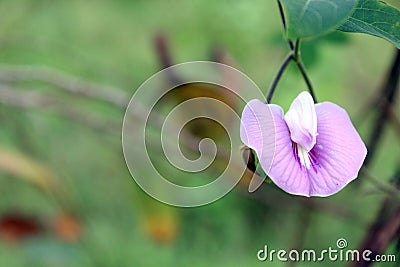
(300, 65)
(278, 76)
(306, 79)
(296, 50)
(284, 23)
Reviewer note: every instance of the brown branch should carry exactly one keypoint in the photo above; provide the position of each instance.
(387, 97)
(164, 56)
(162, 49)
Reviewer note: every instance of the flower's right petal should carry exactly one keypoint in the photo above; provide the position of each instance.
(257, 131)
(339, 152)
(286, 171)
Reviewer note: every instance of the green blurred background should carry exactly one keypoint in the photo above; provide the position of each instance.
(67, 198)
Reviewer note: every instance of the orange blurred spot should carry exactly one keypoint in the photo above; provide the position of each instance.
(67, 227)
(163, 228)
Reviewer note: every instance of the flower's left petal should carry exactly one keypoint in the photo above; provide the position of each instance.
(339, 152)
(286, 171)
(257, 131)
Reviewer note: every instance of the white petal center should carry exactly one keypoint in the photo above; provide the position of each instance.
(303, 156)
(301, 120)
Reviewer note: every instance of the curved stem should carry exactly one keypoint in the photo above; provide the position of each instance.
(282, 14)
(300, 65)
(302, 69)
(278, 76)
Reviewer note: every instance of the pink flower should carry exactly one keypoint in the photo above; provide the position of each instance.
(317, 149)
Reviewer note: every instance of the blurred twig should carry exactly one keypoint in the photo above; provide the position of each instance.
(385, 101)
(161, 45)
(24, 99)
(164, 56)
(66, 82)
(386, 188)
(30, 99)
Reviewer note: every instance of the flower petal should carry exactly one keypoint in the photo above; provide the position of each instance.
(286, 171)
(339, 152)
(302, 121)
(257, 131)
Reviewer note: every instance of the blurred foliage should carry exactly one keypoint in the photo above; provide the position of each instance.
(98, 216)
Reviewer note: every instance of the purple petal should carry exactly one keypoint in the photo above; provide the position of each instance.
(339, 152)
(286, 171)
(336, 157)
(257, 131)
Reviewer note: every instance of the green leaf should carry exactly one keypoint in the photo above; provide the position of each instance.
(313, 17)
(375, 18)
